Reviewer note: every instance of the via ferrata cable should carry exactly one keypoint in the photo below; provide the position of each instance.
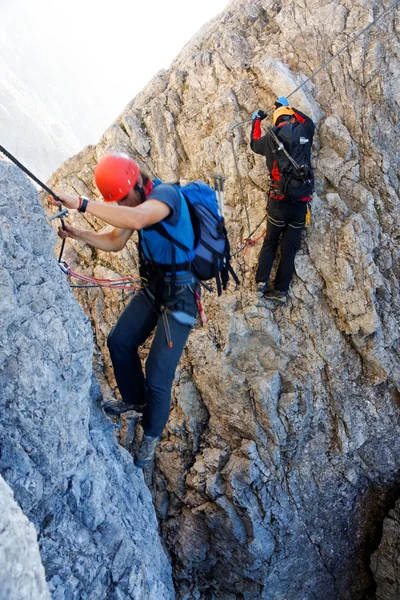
(41, 184)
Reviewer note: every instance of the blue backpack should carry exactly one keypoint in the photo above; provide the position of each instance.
(212, 250)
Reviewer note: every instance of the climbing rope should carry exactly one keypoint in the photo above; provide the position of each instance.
(31, 175)
(250, 243)
(124, 283)
(353, 39)
(247, 242)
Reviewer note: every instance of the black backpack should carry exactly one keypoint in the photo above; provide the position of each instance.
(291, 146)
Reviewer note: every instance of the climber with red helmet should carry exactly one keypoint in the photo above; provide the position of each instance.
(166, 304)
(287, 150)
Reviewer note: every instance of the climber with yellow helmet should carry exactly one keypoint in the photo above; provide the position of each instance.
(287, 150)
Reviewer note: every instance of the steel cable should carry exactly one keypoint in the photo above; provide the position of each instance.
(41, 184)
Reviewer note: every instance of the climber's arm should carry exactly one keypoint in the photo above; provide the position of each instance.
(109, 241)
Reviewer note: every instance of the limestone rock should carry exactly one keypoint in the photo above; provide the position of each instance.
(96, 525)
(385, 561)
(22, 574)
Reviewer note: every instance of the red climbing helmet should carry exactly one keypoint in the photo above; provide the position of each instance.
(115, 175)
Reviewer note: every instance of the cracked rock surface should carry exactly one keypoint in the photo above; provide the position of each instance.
(95, 522)
(385, 561)
(22, 574)
(281, 456)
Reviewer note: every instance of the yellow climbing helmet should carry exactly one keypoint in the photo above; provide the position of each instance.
(281, 112)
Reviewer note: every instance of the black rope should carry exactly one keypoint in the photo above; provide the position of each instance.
(64, 240)
(41, 184)
(31, 175)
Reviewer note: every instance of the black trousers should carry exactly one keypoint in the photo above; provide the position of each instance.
(131, 330)
(287, 219)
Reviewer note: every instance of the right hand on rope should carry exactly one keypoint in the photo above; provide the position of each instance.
(67, 200)
(259, 114)
(69, 232)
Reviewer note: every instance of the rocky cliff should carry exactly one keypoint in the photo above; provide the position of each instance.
(22, 575)
(385, 561)
(281, 455)
(96, 525)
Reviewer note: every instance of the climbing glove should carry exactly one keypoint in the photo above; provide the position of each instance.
(281, 101)
(259, 114)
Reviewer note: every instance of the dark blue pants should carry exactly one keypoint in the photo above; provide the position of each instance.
(286, 219)
(132, 329)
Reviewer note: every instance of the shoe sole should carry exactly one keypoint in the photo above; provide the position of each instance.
(118, 411)
(281, 300)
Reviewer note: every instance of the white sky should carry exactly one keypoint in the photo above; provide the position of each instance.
(100, 54)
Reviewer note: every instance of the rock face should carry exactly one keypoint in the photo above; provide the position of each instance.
(385, 561)
(22, 573)
(96, 525)
(281, 456)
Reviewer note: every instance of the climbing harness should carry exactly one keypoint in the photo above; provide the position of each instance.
(125, 283)
(232, 129)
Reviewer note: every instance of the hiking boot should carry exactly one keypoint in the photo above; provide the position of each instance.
(145, 453)
(263, 287)
(118, 407)
(276, 295)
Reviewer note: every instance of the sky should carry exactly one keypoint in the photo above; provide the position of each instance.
(89, 58)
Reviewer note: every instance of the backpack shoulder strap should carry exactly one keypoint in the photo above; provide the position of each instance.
(281, 147)
(159, 227)
(164, 233)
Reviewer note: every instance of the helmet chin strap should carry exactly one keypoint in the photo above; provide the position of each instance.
(145, 190)
(141, 192)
